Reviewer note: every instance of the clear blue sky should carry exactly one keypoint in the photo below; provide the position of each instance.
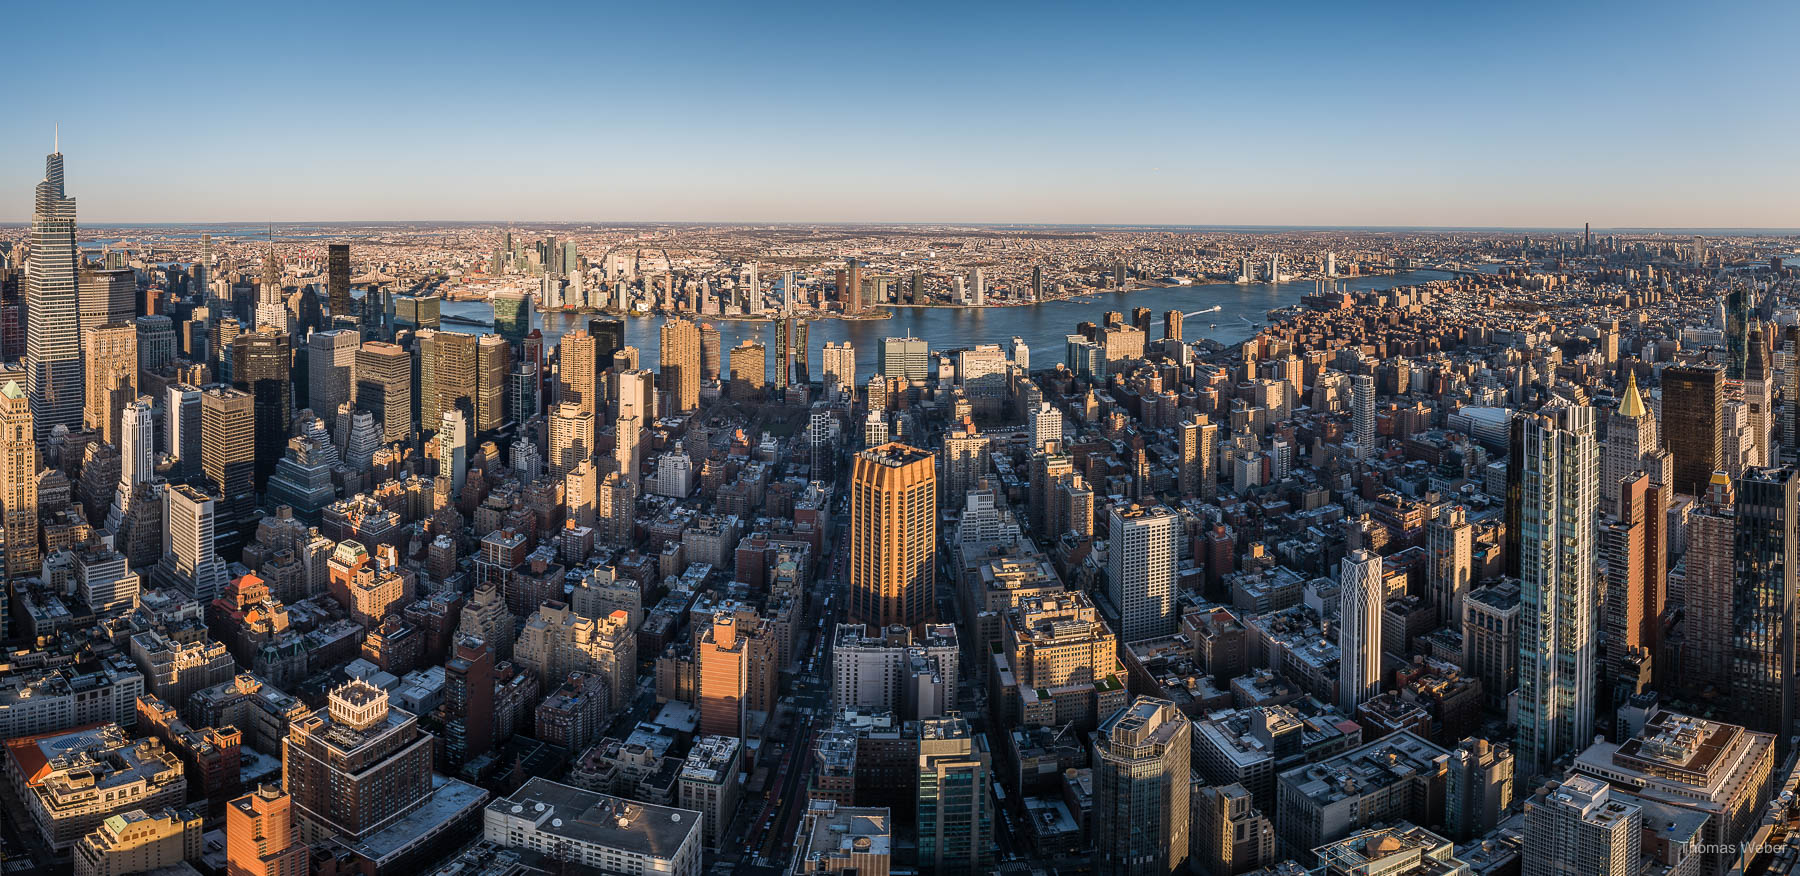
(1338, 113)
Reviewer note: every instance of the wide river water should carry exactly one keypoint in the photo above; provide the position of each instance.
(1044, 327)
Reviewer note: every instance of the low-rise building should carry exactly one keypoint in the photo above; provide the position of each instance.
(74, 780)
(595, 830)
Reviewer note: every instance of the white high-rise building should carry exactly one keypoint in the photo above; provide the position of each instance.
(1021, 355)
(1359, 629)
(189, 563)
(628, 447)
(1140, 563)
(1046, 424)
(753, 299)
(53, 357)
(1558, 503)
(1581, 826)
(1362, 414)
(840, 370)
(137, 456)
(977, 288)
(453, 449)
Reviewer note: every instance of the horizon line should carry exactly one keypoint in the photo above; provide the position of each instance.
(986, 223)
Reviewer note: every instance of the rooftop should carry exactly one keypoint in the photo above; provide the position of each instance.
(600, 819)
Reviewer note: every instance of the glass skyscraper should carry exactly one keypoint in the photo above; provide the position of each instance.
(1559, 480)
(52, 308)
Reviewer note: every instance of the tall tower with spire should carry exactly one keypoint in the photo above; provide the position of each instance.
(1759, 401)
(271, 311)
(1630, 435)
(53, 356)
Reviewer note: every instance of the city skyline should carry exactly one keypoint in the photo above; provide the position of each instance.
(1313, 115)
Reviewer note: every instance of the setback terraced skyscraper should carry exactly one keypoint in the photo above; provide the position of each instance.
(53, 371)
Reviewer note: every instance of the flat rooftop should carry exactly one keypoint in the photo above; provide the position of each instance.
(600, 819)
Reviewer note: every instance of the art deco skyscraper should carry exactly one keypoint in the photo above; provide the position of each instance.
(384, 388)
(1142, 776)
(53, 361)
(1630, 435)
(1360, 598)
(1693, 405)
(1762, 623)
(1559, 497)
(112, 369)
(893, 536)
(18, 481)
(137, 456)
(1758, 397)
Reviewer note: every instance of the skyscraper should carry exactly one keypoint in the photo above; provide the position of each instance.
(1558, 555)
(571, 438)
(1709, 587)
(228, 457)
(137, 456)
(1630, 435)
(955, 807)
(1762, 623)
(331, 370)
(337, 278)
(453, 449)
(681, 364)
(189, 563)
(53, 363)
(356, 765)
(1142, 777)
(263, 366)
(1692, 409)
(107, 296)
(1140, 564)
(1360, 598)
(493, 364)
(384, 387)
(112, 369)
(18, 481)
(749, 370)
(840, 370)
(904, 359)
(468, 701)
(893, 536)
(1450, 540)
(1362, 414)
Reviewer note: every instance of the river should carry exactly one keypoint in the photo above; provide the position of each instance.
(1043, 326)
